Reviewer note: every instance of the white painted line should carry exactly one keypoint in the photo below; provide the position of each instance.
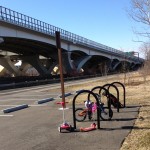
(17, 100)
(63, 108)
(37, 88)
(6, 115)
(36, 94)
(19, 105)
(42, 93)
(9, 105)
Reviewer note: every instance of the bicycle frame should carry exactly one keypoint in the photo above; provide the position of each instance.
(104, 113)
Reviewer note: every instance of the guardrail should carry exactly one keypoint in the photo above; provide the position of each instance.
(25, 21)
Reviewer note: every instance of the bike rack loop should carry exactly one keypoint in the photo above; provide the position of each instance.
(111, 85)
(124, 92)
(73, 106)
(101, 87)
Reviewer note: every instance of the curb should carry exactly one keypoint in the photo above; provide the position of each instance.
(79, 91)
(8, 110)
(45, 100)
(66, 94)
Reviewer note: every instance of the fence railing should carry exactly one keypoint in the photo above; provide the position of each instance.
(25, 21)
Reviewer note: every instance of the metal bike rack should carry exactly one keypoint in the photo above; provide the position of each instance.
(73, 106)
(111, 85)
(107, 92)
(124, 92)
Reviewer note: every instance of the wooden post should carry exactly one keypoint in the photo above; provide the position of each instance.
(58, 44)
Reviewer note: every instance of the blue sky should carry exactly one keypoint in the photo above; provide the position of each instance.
(103, 21)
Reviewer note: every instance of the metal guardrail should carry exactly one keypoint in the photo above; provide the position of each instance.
(19, 19)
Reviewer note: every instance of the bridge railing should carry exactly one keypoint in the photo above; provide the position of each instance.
(25, 21)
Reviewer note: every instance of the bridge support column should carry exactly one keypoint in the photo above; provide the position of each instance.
(82, 62)
(9, 65)
(35, 62)
(67, 63)
(24, 67)
(114, 65)
(52, 66)
(132, 66)
(49, 64)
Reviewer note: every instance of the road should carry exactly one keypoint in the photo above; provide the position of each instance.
(35, 128)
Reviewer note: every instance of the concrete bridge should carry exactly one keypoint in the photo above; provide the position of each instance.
(33, 42)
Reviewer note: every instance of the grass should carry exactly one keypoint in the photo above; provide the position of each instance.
(137, 92)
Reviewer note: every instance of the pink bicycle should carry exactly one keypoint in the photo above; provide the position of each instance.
(105, 112)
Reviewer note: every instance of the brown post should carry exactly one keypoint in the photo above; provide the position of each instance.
(58, 44)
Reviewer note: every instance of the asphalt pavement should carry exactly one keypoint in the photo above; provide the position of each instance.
(36, 127)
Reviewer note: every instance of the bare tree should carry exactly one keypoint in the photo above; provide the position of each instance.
(145, 48)
(140, 12)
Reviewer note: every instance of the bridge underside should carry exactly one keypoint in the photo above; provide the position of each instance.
(43, 57)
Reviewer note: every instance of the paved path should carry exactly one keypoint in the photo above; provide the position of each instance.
(35, 128)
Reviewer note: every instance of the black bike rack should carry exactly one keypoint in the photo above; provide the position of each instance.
(107, 92)
(73, 106)
(111, 85)
(124, 92)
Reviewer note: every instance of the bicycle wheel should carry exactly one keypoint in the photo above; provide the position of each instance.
(80, 114)
(104, 113)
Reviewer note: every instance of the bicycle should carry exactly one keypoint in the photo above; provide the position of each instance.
(105, 114)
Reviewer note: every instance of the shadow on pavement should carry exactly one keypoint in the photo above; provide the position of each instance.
(132, 106)
(124, 128)
(125, 119)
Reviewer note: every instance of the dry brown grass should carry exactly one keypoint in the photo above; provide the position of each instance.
(138, 92)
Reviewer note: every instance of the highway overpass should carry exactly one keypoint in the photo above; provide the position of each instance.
(33, 42)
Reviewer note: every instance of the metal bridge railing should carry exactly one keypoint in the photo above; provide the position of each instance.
(19, 19)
